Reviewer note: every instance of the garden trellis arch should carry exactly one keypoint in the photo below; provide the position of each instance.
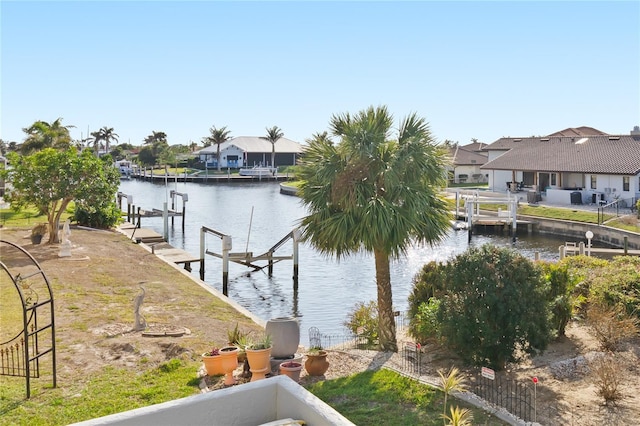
(23, 343)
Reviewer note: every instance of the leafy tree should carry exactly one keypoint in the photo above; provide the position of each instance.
(42, 135)
(218, 137)
(105, 134)
(152, 152)
(50, 179)
(273, 135)
(496, 307)
(374, 193)
(155, 137)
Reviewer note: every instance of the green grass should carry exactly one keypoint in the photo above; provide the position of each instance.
(111, 391)
(384, 397)
(28, 217)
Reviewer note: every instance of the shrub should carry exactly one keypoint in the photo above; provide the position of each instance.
(559, 296)
(428, 283)
(496, 309)
(611, 325)
(607, 372)
(424, 325)
(363, 321)
(618, 283)
(102, 217)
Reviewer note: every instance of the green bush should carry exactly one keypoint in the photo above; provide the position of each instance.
(429, 282)
(618, 284)
(363, 321)
(424, 326)
(102, 217)
(559, 295)
(496, 307)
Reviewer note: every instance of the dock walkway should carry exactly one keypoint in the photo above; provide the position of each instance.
(159, 246)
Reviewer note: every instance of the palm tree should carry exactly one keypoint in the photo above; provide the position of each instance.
(273, 134)
(375, 194)
(218, 136)
(155, 137)
(42, 135)
(105, 134)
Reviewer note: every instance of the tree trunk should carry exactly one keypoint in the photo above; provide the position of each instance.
(273, 154)
(218, 157)
(386, 319)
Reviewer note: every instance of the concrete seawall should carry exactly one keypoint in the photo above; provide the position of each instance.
(575, 231)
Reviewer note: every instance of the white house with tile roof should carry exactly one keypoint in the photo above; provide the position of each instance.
(601, 167)
(466, 161)
(249, 151)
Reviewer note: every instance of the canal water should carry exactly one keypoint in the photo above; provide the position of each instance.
(256, 216)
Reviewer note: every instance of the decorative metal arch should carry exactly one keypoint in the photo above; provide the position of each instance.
(20, 355)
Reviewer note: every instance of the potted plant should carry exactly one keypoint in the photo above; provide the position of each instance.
(239, 339)
(291, 369)
(218, 361)
(213, 362)
(316, 363)
(37, 232)
(258, 356)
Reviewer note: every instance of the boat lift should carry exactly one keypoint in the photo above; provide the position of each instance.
(472, 203)
(247, 258)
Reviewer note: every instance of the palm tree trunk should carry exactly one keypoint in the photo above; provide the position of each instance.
(386, 319)
(218, 157)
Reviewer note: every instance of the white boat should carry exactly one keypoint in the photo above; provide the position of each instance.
(125, 167)
(259, 171)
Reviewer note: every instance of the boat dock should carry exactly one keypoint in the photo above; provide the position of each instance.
(159, 246)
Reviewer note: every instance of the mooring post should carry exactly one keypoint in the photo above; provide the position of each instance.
(270, 268)
(514, 227)
(561, 252)
(296, 242)
(165, 220)
(626, 245)
(470, 217)
(581, 248)
(173, 206)
(226, 248)
(202, 235)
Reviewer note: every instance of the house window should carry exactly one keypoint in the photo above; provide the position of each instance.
(594, 181)
(553, 179)
(625, 183)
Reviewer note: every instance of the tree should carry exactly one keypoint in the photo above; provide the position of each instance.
(273, 135)
(42, 135)
(50, 179)
(496, 307)
(218, 137)
(105, 134)
(375, 194)
(155, 137)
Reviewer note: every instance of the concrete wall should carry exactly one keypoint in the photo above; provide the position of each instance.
(574, 231)
(252, 403)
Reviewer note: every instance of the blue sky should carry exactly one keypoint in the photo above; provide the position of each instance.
(473, 69)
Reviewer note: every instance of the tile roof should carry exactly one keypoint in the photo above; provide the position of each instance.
(256, 144)
(579, 131)
(601, 154)
(463, 156)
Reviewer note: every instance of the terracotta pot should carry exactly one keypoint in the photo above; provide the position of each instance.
(316, 365)
(229, 355)
(291, 369)
(259, 363)
(213, 365)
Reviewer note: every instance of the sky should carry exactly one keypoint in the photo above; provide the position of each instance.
(475, 69)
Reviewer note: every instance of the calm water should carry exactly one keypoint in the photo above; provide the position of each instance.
(328, 289)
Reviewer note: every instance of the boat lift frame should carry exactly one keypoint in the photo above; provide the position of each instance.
(247, 258)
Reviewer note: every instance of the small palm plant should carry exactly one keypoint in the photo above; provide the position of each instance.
(459, 417)
(263, 342)
(452, 381)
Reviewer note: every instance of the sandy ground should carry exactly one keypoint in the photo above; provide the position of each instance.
(95, 289)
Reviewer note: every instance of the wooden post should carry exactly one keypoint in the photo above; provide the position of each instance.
(514, 227)
(270, 268)
(626, 245)
(296, 242)
(202, 242)
(226, 248)
(581, 247)
(165, 220)
(173, 206)
(561, 252)
(536, 256)
(470, 218)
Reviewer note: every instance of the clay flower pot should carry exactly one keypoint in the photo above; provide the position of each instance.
(229, 361)
(259, 362)
(291, 369)
(316, 363)
(213, 364)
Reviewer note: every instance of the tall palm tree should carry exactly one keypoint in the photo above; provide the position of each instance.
(273, 135)
(42, 135)
(218, 137)
(373, 193)
(105, 134)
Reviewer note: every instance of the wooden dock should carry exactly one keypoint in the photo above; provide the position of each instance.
(159, 246)
(576, 249)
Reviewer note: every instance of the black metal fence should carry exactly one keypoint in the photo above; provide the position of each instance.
(515, 397)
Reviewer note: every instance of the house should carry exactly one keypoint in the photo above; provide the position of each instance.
(466, 161)
(572, 166)
(249, 151)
